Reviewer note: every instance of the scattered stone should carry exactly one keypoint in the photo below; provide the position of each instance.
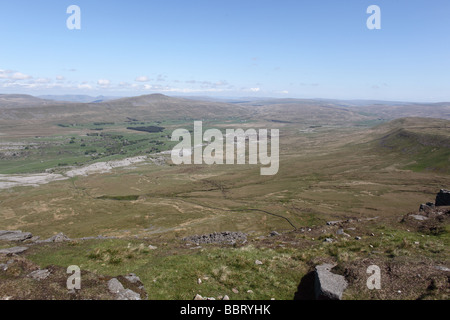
(236, 291)
(443, 198)
(34, 238)
(152, 247)
(250, 291)
(426, 206)
(327, 285)
(258, 262)
(274, 234)
(14, 250)
(226, 237)
(329, 240)
(333, 223)
(198, 297)
(115, 287)
(128, 295)
(419, 217)
(341, 232)
(60, 237)
(133, 278)
(40, 274)
(358, 238)
(442, 268)
(226, 298)
(199, 281)
(14, 235)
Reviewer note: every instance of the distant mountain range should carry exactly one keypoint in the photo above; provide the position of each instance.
(83, 108)
(77, 98)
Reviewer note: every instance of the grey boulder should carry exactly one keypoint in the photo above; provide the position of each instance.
(14, 235)
(14, 250)
(443, 198)
(327, 285)
(121, 293)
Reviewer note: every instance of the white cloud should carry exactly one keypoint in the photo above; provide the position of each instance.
(8, 74)
(142, 79)
(103, 83)
(84, 86)
(4, 74)
(255, 89)
(60, 78)
(41, 81)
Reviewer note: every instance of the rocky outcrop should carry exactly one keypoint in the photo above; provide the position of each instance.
(60, 237)
(426, 206)
(12, 251)
(14, 235)
(443, 198)
(226, 237)
(327, 285)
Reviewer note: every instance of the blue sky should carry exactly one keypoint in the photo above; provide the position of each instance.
(300, 49)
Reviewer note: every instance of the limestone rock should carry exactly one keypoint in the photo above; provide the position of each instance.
(14, 250)
(419, 217)
(226, 237)
(327, 285)
(114, 286)
(14, 235)
(40, 274)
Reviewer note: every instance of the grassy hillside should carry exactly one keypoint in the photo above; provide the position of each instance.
(426, 142)
(334, 166)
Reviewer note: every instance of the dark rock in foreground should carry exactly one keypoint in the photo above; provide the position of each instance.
(427, 206)
(443, 198)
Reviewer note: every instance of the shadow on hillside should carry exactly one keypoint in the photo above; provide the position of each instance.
(305, 290)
